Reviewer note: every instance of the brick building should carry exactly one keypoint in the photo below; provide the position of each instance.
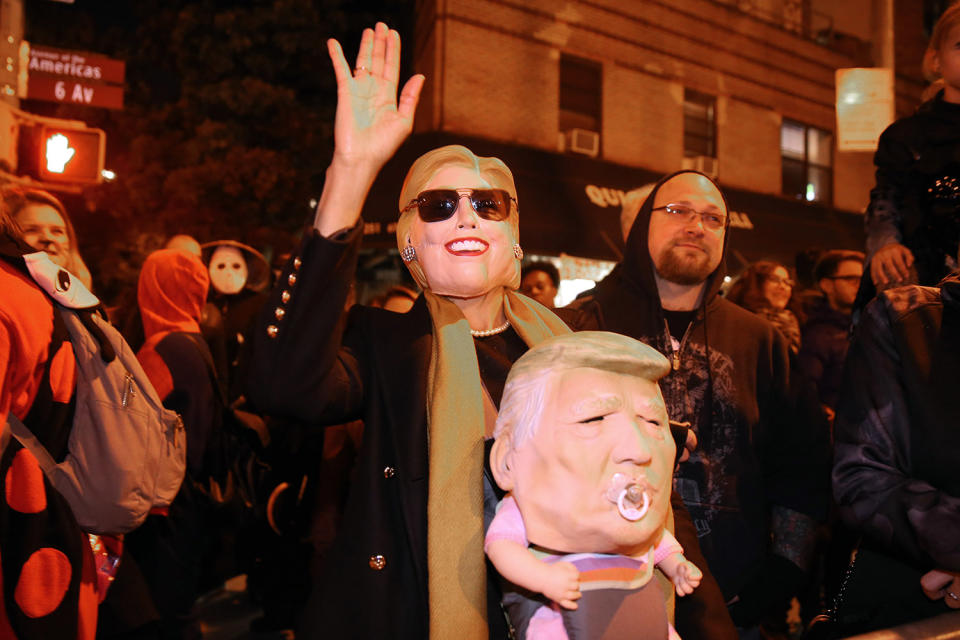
(587, 99)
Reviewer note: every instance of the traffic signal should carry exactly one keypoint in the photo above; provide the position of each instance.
(70, 153)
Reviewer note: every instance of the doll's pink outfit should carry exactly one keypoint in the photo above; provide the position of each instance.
(616, 584)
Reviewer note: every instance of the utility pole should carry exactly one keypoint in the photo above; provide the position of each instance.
(11, 34)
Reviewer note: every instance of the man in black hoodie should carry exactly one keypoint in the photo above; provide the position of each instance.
(759, 479)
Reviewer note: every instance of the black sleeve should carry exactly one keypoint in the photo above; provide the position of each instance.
(304, 364)
(702, 615)
(883, 221)
(795, 443)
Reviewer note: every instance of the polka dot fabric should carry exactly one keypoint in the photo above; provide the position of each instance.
(46, 565)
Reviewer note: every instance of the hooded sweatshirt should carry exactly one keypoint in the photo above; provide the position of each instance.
(171, 292)
(731, 381)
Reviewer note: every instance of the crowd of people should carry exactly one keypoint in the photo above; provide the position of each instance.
(813, 430)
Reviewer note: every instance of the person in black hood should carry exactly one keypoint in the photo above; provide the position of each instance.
(759, 480)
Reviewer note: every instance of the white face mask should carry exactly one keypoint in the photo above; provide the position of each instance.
(228, 270)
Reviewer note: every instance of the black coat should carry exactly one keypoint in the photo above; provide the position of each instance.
(373, 367)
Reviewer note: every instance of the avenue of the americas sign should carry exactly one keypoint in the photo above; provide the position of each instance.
(73, 77)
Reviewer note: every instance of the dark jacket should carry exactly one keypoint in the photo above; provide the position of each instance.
(917, 193)
(897, 445)
(898, 426)
(754, 452)
(823, 349)
(373, 367)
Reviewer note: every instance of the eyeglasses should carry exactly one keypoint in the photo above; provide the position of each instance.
(787, 282)
(848, 279)
(687, 214)
(435, 205)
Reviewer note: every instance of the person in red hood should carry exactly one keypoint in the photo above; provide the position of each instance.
(168, 548)
(171, 292)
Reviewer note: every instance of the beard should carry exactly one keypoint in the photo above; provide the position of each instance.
(684, 268)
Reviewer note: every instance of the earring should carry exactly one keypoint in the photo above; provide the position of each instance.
(409, 254)
(517, 252)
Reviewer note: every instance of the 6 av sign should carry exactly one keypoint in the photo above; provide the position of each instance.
(75, 92)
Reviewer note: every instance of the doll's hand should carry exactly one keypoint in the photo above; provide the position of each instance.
(687, 578)
(561, 583)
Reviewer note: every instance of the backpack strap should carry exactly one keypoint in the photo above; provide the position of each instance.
(30, 442)
(211, 367)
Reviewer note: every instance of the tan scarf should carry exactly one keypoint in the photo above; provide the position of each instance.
(455, 417)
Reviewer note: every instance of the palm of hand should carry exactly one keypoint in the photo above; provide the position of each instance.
(371, 122)
(368, 123)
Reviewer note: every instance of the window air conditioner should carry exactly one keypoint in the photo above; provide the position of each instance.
(703, 164)
(583, 141)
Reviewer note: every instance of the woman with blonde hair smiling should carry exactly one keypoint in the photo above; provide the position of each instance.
(409, 560)
(45, 226)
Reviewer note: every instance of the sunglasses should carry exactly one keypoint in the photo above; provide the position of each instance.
(435, 205)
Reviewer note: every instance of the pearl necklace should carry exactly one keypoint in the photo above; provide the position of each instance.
(484, 333)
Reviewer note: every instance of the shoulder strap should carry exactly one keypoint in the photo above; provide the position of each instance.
(30, 442)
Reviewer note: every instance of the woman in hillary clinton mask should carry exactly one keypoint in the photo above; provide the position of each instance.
(409, 560)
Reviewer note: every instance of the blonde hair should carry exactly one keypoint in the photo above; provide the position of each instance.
(493, 170)
(946, 23)
(525, 391)
(16, 199)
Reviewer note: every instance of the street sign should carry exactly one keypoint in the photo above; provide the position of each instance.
(73, 77)
(58, 89)
(75, 64)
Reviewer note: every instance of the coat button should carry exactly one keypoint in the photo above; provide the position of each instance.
(388, 472)
(292, 279)
(377, 562)
(279, 312)
(285, 296)
(272, 331)
(297, 262)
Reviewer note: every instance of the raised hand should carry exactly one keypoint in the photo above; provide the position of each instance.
(371, 123)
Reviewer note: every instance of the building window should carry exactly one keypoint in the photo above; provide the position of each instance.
(699, 124)
(580, 93)
(807, 155)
